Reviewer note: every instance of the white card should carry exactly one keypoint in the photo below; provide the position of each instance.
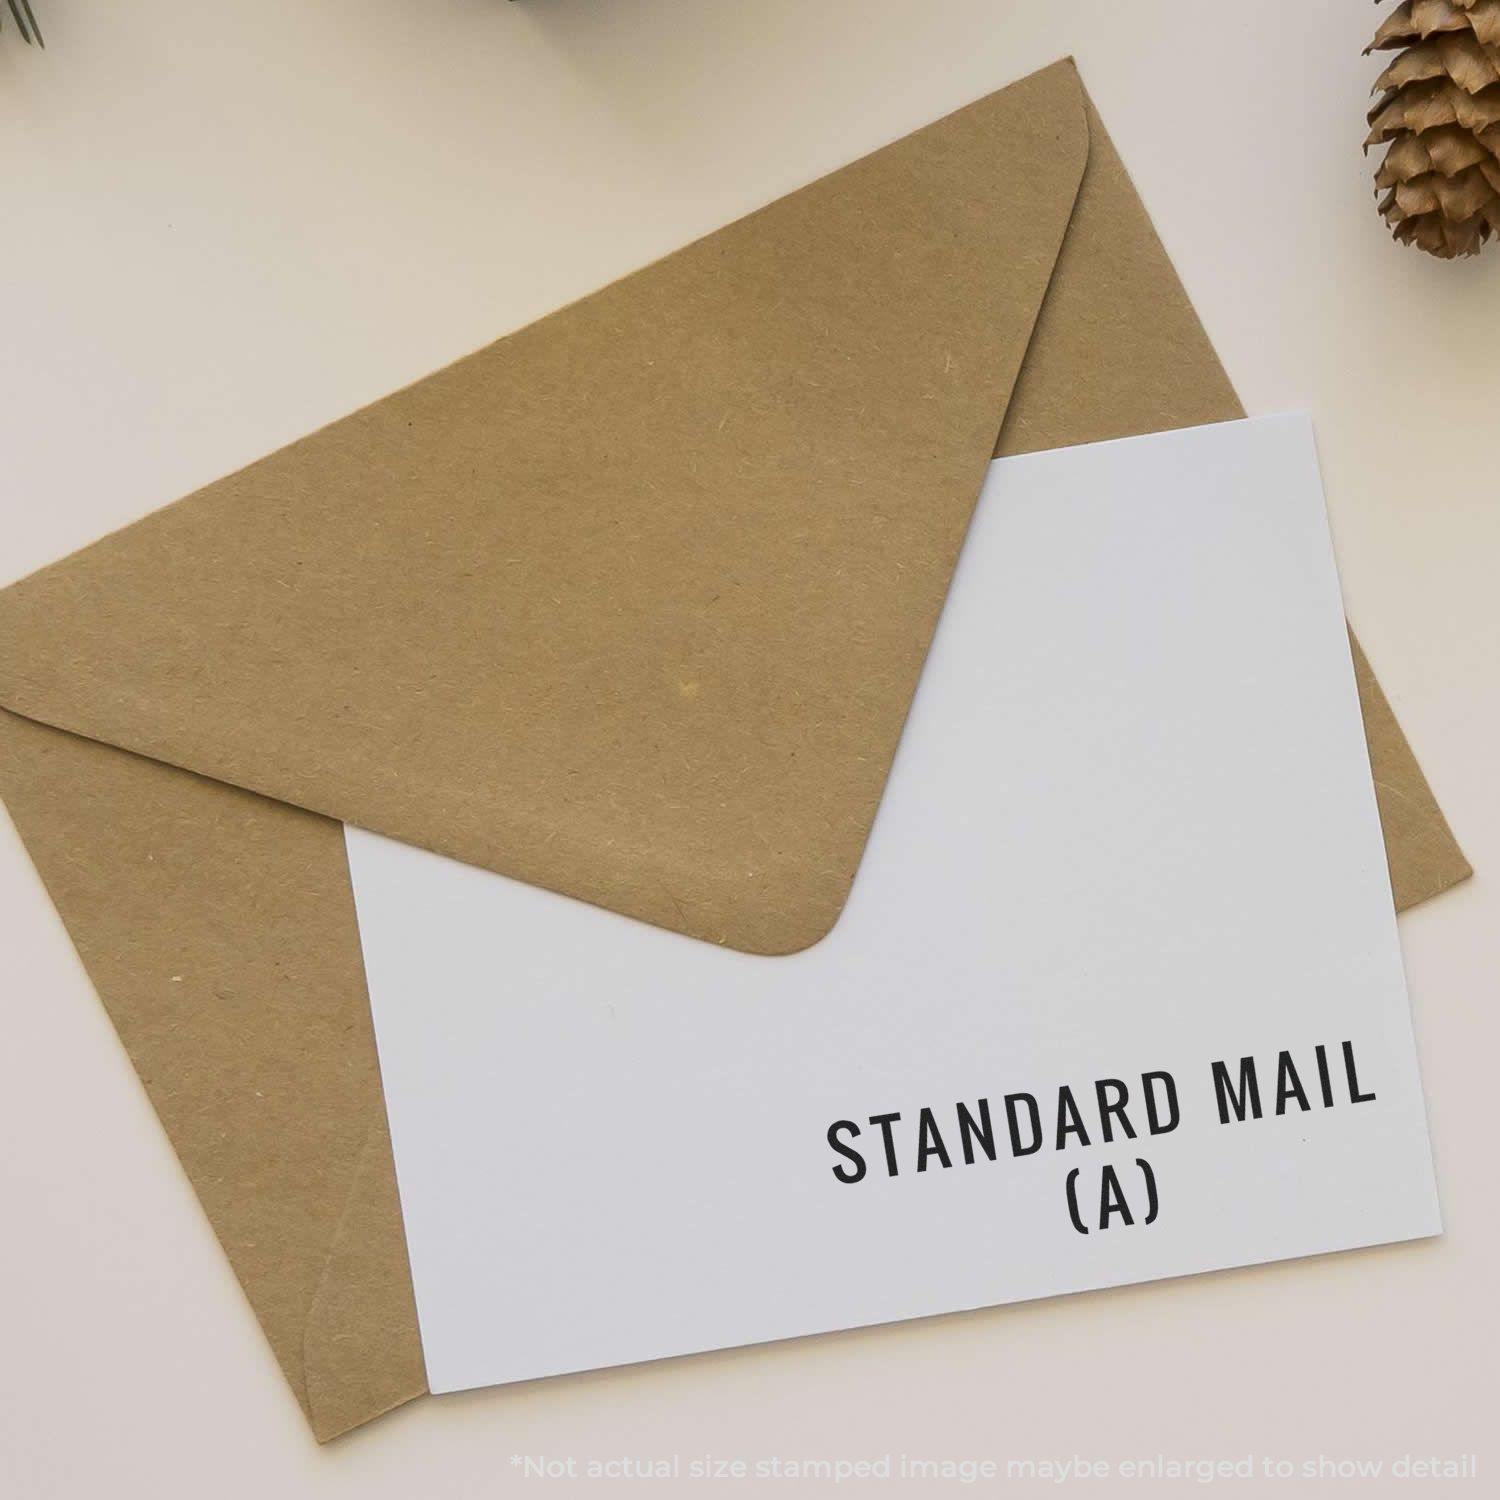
(1130, 831)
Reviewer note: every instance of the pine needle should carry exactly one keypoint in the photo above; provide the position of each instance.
(20, 13)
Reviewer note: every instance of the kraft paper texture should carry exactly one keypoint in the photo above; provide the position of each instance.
(630, 604)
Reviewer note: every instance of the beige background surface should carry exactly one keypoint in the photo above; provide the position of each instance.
(227, 224)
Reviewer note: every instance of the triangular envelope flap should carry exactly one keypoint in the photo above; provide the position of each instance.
(219, 930)
(630, 604)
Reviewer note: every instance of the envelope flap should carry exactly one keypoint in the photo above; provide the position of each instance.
(361, 1349)
(630, 604)
(219, 930)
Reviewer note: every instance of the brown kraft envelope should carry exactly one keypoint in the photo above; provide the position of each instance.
(630, 604)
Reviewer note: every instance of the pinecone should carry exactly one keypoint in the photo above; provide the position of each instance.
(1440, 111)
